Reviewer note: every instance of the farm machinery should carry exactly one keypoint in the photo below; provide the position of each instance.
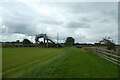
(46, 40)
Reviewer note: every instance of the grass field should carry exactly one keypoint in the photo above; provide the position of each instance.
(55, 63)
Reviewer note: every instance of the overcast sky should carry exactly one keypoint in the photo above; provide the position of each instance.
(84, 21)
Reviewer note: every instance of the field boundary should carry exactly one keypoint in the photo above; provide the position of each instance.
(106, 54)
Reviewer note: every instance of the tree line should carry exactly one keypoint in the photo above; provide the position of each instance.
(70, 41)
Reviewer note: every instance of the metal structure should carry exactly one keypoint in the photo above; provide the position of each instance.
(46, 39)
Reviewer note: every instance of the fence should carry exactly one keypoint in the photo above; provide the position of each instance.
(106, 54)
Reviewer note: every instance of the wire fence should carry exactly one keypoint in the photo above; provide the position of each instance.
(107, 54)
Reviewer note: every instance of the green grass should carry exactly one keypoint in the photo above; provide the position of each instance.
(55, 63)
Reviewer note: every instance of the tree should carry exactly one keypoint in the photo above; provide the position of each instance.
(17, 41)
(109, 43)
(70, 41)
(26, 41)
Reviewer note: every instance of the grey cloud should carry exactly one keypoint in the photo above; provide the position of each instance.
(19, 28)
(113, 14)
(17, 25)
(51, 22)
(105, 21)
(19, 18)
(88, 7)
(77, 25)
(84, 19)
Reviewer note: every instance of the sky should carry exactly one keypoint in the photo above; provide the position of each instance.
(86, 22)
